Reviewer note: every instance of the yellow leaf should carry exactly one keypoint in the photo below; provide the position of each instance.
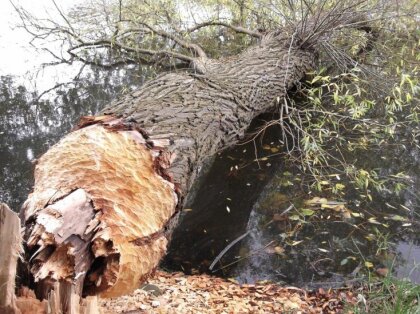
(296, 243)
(339, 186)
(316, 200)
(346, 214)
(279, 250)
(370, 237)
(373, 220)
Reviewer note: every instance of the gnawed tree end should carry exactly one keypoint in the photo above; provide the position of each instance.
(98, 219)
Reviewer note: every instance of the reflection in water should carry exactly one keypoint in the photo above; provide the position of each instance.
(222, 203)
(324, 240)
(28, 126)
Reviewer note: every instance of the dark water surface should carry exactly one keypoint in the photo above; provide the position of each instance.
(309, 246)
(246, 190)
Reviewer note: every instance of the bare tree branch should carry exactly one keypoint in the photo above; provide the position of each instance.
(237, 29)
(183, 43)
(120, 47)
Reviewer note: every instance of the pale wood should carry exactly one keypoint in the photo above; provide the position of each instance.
(100, 209)
(53, 301)
(27, 303)
(64, 300)
(10, 249)
(91, 305)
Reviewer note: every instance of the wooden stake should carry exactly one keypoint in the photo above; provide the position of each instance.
(91, 306)
(10, 248)
(63, 299)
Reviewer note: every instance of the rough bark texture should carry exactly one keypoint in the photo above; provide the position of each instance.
(197, 114)
(105, 195)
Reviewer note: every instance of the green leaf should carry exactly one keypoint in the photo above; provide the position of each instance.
(307, 212)
(316, 79)
(294, 217)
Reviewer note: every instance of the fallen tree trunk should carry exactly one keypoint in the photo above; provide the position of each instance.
(106, 196)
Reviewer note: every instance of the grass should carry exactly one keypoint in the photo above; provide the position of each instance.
(388, 295)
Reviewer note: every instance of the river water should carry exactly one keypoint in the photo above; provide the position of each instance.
(244, 192)
(308, 246)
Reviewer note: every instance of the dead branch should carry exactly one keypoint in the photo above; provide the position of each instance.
(183, 43)
(156, 54)
(237, 29)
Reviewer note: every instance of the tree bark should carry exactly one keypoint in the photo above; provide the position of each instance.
(106, 196)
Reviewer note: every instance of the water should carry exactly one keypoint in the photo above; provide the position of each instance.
(327, 247)
(322, 247)
(222, 202)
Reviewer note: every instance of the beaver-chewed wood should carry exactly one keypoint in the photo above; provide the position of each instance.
(96, 214)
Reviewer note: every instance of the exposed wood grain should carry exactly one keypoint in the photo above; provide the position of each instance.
(96, 216)
(27, 303)
(91, 305)
(10, 249)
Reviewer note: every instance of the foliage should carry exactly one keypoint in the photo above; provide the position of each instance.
(170, 33)
(341, 112)
(164, 33)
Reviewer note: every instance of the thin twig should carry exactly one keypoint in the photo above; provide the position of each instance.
(227, 248)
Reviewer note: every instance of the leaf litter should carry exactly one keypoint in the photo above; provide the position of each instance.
(179, 293)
